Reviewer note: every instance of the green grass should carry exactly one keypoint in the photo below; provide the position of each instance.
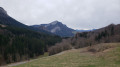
(80, 58)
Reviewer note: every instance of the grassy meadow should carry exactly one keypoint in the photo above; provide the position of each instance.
(101, 55)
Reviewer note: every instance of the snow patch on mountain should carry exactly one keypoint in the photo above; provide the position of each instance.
(55, 29)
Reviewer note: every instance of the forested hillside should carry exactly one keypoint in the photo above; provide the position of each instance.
(18, 44)
(108, 34)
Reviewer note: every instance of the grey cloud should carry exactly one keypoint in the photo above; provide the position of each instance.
(77, 14)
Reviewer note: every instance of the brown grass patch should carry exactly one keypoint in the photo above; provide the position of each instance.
(103, 47)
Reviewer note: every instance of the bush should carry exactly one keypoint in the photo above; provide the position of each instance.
(59, 47)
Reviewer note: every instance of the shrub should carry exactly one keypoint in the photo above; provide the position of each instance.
(59, 47)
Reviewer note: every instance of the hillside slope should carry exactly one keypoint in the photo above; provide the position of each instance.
(19, 42)
(5, 19)
(57, 28)
(83, 57)
(108, 34)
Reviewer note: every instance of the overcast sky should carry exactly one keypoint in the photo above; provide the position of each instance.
(77, 14)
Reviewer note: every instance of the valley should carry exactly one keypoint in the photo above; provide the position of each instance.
(60, 33)
(81, 58)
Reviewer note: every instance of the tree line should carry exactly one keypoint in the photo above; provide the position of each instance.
(107, 34)
(18, 44)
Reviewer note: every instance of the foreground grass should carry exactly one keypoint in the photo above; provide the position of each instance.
(80, 58)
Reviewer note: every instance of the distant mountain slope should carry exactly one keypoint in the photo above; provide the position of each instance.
(85, 30)
(108, 34)
(7, 20)
(57, 28)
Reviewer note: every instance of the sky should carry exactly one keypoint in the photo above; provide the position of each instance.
(76, 14)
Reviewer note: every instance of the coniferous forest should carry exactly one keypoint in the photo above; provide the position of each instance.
(17, 44)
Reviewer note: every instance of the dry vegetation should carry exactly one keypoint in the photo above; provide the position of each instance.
(109, 34)
(101, 47)
(59, 47)
(82, 58)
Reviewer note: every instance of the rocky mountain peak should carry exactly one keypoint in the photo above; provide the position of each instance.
(57, 28)
(55, 22)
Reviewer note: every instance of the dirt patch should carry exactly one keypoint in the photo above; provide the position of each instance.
(92, 50)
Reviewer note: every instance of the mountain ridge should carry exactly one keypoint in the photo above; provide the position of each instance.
(60, 29)
(5, 19)
(57, 28)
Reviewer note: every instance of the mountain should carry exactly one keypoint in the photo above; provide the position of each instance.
(85, 30)
(81, 31)
(57, 28)
(20, 42)
(60, 29)
(5, 19)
